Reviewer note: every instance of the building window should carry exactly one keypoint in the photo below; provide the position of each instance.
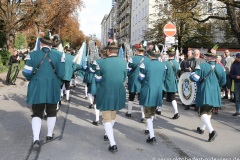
(145, 11)
(140, 17)
(136, 18)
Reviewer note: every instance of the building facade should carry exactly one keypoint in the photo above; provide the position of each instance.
(141, 11)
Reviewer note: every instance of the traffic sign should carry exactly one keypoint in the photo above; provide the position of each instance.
(169, 30)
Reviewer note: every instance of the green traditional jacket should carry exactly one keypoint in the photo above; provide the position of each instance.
(171, 84)
(209, 91)
(133, 83)
(44, 86)
(111, 74)
(152, 74)
(70, 66)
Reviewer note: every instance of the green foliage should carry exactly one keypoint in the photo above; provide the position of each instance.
(3, 69)
(20, 41)
(4, 57)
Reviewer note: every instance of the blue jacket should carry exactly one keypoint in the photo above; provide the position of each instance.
(235, 71)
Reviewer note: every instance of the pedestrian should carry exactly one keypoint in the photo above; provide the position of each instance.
(111, 74)
(13, 70)
(152, 77)
(134, 85)
(44, 69)
(171, 81)
(235, 75)
(229, 61)
(208, 91)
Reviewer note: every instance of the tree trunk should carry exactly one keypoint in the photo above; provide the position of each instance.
(233, 21)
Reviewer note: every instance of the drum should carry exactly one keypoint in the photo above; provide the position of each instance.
(187, 89)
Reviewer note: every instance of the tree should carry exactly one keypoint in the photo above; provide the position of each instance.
(41, 14)
(223, 10)
(189, 32)
(20, 41)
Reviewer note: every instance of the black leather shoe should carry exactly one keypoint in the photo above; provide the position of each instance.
(151, 140)
(90, 106)
(113, 148)
(105, 138)
(212, 136)
(176, 116)
(36, 144)
(236, 114)
(128, 115)
(146, 131)
(67, 100)
(96, 123)
(187, 107)
(200, 131)
(158, 112)
(48, 138)
(143, 120)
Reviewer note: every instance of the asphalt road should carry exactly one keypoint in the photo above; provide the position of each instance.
(77, 139)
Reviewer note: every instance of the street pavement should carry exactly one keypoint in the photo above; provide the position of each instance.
(75, 138)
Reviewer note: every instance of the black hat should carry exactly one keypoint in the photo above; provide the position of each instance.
(45, 38)
(112, 45)
(212, 52)
(56, 40)
(171, 51)
(68, 49)
(153, 53)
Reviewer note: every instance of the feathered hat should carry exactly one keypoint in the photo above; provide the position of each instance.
(139, 47)
(153, 51)
(212, 52)
(45, 38)
(112, 45)
(171, 51)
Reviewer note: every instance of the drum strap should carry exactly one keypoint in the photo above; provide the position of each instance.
(136, 67)
(213, 69)
(50, 61)
(174, 70)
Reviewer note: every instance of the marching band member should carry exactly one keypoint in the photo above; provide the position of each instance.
(152, 77)
(171, 80)
(95, 63)
(43, 69)
(134, 85)
(207, 75)
(69, 69)
(111, 74)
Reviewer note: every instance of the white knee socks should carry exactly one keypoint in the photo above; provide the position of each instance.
(109, 130)
(96, 113)
(86, 89)
(51, 124)
(150, 127)
(67, 94)
(91, 98)
(36, 127)
(142, 111)
(130, 105)
(206, 120)
(174, 104)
